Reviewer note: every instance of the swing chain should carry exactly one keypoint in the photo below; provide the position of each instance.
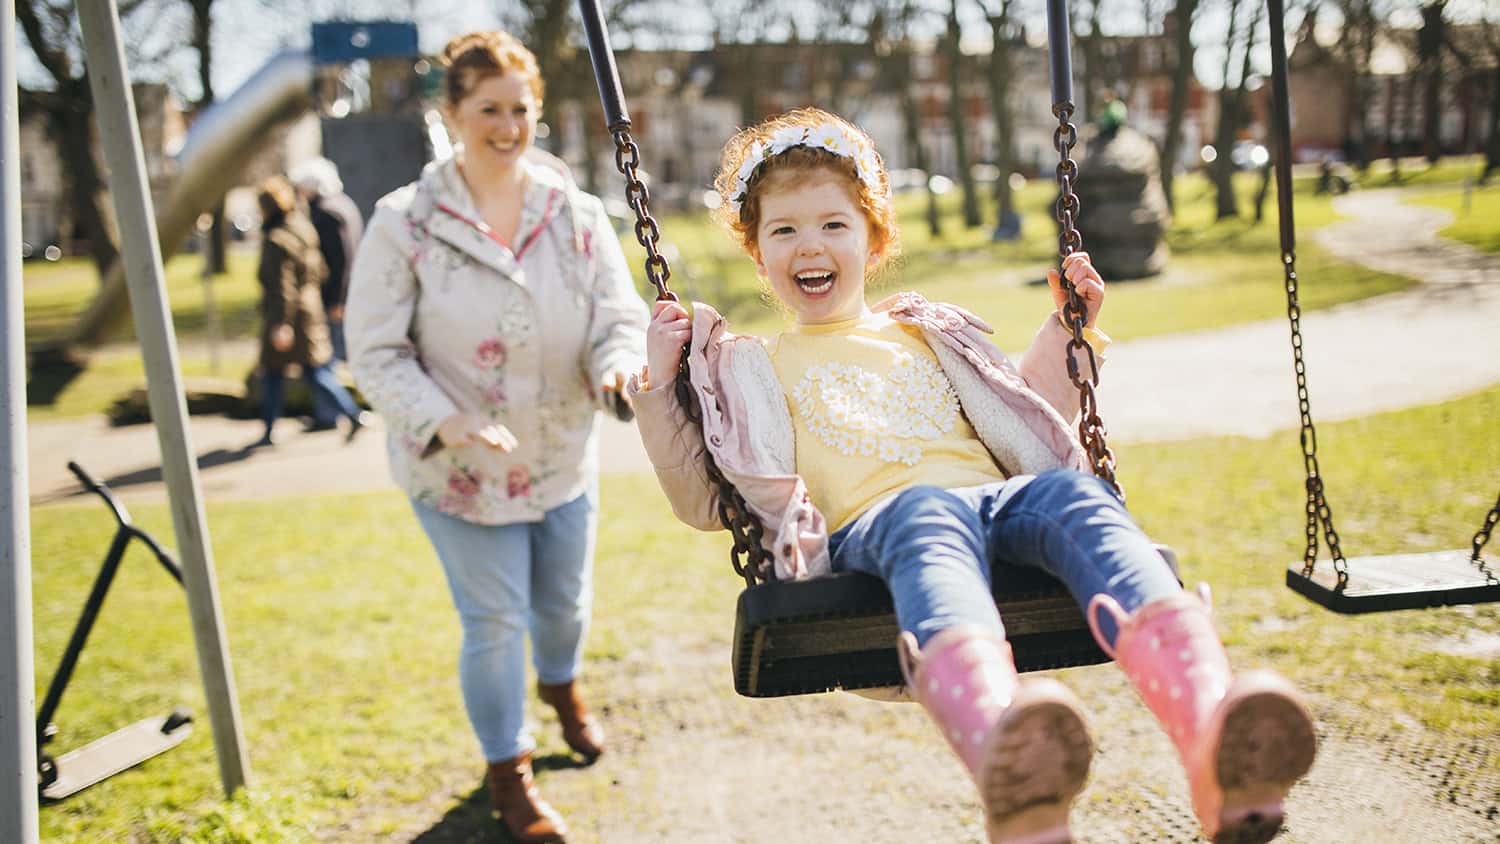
(1317, 504)
(1091, 430)
(647, 232)
(1483, 534)
(748, 557)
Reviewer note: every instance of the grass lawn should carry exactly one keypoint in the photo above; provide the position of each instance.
(1474, 215)
(56, 294)
(343, 640)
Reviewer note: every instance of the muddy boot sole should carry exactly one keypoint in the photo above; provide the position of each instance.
(1266, 745)
(1036, 763)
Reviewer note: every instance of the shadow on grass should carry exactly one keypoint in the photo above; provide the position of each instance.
(52, 369)
(472, 820)
(151, 474)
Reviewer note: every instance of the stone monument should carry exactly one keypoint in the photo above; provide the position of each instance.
(1124, 211)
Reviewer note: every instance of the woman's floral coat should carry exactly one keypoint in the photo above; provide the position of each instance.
(442, 318)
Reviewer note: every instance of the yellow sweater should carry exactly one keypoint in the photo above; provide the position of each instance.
(873, 413)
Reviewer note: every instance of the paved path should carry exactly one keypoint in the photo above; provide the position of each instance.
(1431, 343)
(1435, 342)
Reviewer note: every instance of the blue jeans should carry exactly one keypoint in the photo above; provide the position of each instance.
(506, 580)
(934, 548)
(325, 386)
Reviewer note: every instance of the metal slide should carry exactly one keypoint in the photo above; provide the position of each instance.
(219, 145)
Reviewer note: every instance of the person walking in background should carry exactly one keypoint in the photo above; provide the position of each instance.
(491, 316)
(340, 227)
(293, 329)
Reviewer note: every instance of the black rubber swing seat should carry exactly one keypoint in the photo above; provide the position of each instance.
(839, 632)
(1398, 582)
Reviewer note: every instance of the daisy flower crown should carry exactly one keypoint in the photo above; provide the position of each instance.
(827, 136)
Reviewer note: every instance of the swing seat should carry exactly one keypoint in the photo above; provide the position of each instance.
(1398, 582)
(839, 632)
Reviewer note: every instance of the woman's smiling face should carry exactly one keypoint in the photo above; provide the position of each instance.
(496, 120)
(813, 246)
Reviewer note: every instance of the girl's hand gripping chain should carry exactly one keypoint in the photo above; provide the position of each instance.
(669, 331)
(1086, 280)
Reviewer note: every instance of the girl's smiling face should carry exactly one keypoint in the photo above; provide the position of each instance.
(813, 246)
(497, 119)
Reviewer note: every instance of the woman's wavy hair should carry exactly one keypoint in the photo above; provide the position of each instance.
(476, 56)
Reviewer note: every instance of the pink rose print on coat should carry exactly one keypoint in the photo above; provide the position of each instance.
(490, 354)
(463, 483)
(518, 482)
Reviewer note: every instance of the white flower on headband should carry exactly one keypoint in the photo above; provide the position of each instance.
(830, 136)
(787, 137)
(833, 139)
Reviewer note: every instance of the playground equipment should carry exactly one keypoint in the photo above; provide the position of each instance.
(1362, 584)
(219, 145)
(61, 776)
(839, 631)
(377, 148)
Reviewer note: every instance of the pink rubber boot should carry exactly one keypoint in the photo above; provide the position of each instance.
(1024, 742)
(1244, 740)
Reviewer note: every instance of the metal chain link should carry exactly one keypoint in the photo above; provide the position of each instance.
(647, 232)
(1317, 504)
(749, 558)
(1483, 535)
(1091, 430)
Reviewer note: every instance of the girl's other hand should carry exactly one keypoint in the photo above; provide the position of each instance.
(462, 429)
(669, 331)
(1086, 280)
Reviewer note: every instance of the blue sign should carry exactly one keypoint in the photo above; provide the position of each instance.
(338, 42)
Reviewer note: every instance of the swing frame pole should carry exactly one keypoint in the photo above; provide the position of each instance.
(18, 794)
(109, 82)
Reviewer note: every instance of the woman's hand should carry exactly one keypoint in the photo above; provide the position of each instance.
(282, 338)
(669, 331)
(615, 397)
(1086, 280)
(462, 429)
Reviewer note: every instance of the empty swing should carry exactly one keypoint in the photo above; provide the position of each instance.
(1362, 584)
(839, 631)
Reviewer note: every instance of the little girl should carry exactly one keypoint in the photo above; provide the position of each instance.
(898, 441)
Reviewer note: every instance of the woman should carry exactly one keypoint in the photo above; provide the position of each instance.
(293, 327)
(491, 314)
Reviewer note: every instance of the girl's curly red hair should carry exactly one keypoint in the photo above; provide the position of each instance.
(778, 170)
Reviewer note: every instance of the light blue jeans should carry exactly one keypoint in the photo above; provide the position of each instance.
(934, 548)
(507, 580)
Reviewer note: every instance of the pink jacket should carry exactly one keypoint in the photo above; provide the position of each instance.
(1022, 414)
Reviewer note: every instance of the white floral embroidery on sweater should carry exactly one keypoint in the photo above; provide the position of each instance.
(859, 413)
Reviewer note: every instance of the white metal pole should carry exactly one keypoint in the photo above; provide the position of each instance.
(114, 106)
(18, 792)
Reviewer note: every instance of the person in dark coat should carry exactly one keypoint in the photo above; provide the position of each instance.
(340, 225)
(294, 329)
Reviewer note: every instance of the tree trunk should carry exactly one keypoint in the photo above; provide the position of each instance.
(215, 246)
(1007, 226)
(1430, 40)
(88, 196)
(1492, 144)
(1262, 192)
(1222, 169)
(913, 120)
(956, 121)
(1182, 75)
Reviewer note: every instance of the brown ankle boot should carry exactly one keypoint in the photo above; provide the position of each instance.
(581, 730)
(527, 817)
